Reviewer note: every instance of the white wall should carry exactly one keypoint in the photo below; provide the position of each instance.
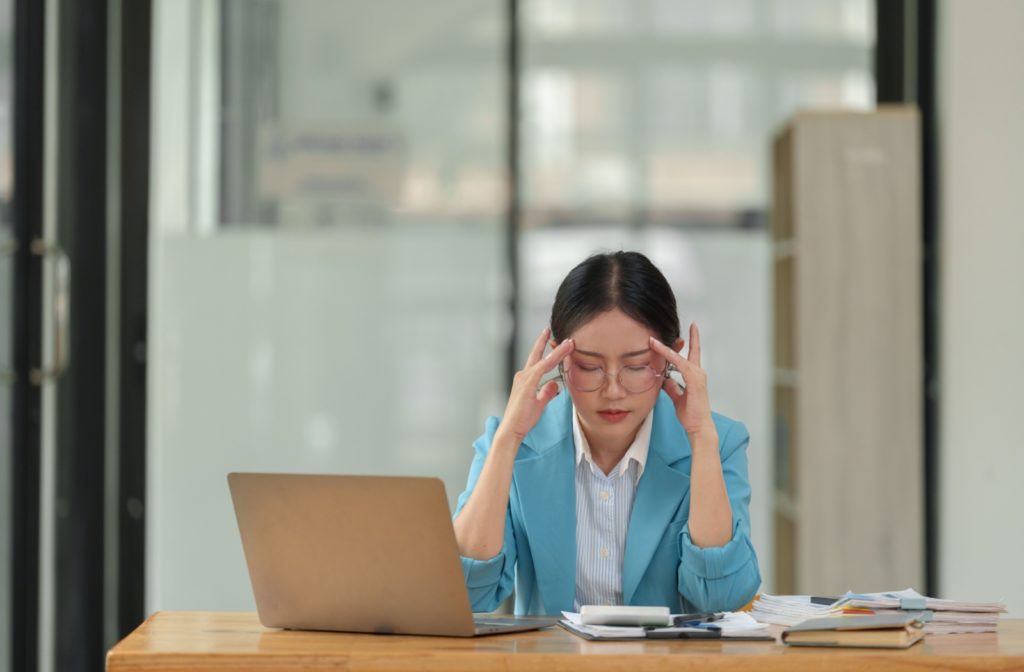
(981, 117)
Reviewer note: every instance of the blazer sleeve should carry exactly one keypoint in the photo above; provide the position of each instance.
(724, 578)
(489, 582)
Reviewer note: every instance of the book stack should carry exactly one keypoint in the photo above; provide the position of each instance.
(887, 631)
(941, 617)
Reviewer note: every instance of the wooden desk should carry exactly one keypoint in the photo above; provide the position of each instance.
(211, 641)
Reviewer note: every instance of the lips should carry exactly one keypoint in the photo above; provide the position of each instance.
(613, 414)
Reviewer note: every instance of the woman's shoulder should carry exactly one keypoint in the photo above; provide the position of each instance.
(729, 426)
(553, 427)
(671, 438)
(732, 434)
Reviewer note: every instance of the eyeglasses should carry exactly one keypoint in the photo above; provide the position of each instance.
(633, 379)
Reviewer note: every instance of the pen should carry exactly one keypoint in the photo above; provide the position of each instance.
(686, 619)
(704, 631)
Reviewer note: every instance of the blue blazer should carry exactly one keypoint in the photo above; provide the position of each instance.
(662, 566)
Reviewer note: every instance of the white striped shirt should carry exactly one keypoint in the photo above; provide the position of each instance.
(603, 506)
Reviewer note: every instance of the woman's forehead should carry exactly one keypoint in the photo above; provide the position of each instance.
(612, 334)
(606, 354)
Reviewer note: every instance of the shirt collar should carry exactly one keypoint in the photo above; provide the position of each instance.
(637, 451)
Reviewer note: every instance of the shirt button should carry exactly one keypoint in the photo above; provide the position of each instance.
(604, 552)
(604, 495)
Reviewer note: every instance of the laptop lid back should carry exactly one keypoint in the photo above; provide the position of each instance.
(351, 553)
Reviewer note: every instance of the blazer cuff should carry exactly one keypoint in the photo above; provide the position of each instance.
(718, 561)
(482, 573)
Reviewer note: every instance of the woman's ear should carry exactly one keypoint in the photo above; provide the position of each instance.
(677, 345)
(553, 343)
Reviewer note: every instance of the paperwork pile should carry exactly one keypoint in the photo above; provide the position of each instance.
(790, 609)
(939, 616)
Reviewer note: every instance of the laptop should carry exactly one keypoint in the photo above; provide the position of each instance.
(357, 554)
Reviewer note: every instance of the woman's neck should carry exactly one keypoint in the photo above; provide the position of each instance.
(607, 452)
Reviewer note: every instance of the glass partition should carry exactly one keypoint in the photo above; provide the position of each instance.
(328, 287)
(328, 282)
(647, 125)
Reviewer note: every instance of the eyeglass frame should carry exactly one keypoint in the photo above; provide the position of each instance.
(664, 375)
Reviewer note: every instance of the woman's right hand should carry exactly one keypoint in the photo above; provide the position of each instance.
(526, 402)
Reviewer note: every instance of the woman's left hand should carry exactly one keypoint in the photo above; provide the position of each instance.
(692, 406)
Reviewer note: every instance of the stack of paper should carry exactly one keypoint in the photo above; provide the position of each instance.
(789, 609)
(940, 616)
(739, 623)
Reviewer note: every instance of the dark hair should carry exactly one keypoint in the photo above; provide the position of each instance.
(624, 280)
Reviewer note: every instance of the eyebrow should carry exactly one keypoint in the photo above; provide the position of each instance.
(635, 353)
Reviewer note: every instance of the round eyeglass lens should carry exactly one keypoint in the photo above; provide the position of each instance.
(635, 379)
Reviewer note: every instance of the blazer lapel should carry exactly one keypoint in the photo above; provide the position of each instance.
(658, 495)
(546, 487)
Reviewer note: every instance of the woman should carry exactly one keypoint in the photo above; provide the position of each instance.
(626, 490)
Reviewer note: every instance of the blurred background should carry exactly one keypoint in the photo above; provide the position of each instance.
(320, 235)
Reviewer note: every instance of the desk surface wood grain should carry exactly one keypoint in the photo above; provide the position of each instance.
(215, 641)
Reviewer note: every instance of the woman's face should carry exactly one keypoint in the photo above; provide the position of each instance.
(612, 341)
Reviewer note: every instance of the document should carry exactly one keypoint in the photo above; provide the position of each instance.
(731, 625)
(790, 609)
(939, 616)
(911, 599)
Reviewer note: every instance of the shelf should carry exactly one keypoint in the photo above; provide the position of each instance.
(783, 250)
(785, 377)
(847, 454)
(786, 505)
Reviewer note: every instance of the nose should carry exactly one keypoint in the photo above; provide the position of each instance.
(613, 389)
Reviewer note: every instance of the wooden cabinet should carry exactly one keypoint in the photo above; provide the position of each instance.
(848, 381)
